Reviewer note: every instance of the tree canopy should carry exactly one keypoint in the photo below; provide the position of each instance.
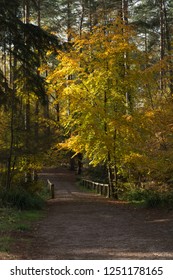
(94, 78)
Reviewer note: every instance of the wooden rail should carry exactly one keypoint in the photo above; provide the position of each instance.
(51, 188)
(102, 189)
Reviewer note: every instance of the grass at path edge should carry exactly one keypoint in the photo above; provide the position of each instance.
(15, 221)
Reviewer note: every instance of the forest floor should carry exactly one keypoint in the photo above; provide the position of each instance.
(81, 225)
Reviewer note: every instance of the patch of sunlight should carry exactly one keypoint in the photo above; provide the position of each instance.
(159, 221)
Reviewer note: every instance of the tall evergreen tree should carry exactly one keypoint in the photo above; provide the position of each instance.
(23, 46)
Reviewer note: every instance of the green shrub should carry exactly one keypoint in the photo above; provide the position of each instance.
(132, 193)
(167, 200)
(21, 199)
(151, 198)
(159, 199)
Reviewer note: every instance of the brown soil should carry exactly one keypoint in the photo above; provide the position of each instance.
(80, 225)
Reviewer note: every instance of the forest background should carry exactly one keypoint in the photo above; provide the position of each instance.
(90, 82)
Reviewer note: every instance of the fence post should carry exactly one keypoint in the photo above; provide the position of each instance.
(108, 191)
(97, 187)
(52, 191)
(51, 188)
(101, 189)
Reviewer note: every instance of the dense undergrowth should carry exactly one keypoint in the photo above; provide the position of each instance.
(151, 194)
(149, 197)
(25, 196)
(19, 208)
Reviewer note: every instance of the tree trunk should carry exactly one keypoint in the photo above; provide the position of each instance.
(69, 24)
(47, 116)
(79, 159)
(169, 47)
(38, 73)
(10, 162)
(162, 45)
(28, 176)
(26, 13)
(81, 19)
(112, 178)
(125, 15)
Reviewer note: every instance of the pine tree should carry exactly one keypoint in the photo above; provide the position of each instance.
(23, 46)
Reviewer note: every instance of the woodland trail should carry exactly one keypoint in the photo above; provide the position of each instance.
(80, 225)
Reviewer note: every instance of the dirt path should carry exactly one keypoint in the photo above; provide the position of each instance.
(81, 225)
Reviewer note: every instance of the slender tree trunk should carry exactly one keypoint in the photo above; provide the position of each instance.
(9, 161)
(28, 176)
(169, 47)
(27, 107)
(69, 19)
(81, 19)
(125, 12)
(58, 113)
(115, 168)
(47, 115)
(4, 64)
(11, 156)
(148, 89)
(125, 15)
(38, 73)
(112, 177)
(90, 16)
(79, 163)
(162, 45)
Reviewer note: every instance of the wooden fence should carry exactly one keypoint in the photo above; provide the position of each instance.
(51, 189)
(102, 189)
